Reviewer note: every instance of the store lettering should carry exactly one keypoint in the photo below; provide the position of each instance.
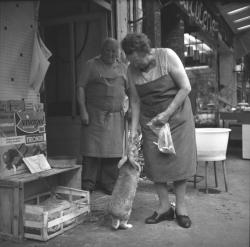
(34, 139)
(32, 122)
(198, 12)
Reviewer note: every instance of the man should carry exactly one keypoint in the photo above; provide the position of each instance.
(101, 93)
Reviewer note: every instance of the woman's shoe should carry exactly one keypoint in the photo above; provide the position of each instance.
(156, 218)
(183, 220)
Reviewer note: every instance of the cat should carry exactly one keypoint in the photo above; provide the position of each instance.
(120, 204)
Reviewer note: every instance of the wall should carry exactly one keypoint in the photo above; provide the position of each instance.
(18, 25)
(63, 123)
(57, 19)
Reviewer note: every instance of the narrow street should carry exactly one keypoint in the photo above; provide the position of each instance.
(219, 218)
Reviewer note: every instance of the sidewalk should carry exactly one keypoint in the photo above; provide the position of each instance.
(219, 218)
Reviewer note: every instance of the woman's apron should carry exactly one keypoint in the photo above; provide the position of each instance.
(160, 167)
(103, 137)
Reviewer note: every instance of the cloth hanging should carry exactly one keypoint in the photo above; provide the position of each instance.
(39, 63)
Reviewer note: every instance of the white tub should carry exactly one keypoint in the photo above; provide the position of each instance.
(211, 143)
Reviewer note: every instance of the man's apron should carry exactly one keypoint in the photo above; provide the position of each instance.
(103, 137)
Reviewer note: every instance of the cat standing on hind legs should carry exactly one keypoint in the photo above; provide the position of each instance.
(120, 205)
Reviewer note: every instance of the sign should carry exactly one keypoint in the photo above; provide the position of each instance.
(22, 134)
(29, 122)
(37, 163)
(14, 148)
(199, 13)
(197, 10)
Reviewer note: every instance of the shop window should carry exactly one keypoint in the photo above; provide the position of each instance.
(243, 79)
(196, 52)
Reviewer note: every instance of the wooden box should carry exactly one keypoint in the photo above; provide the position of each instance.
(16, 189)
(63, 209)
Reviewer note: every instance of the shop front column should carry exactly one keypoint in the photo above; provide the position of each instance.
(174, 37)
(152, 21)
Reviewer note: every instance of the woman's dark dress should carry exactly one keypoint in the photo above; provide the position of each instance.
(155, 97)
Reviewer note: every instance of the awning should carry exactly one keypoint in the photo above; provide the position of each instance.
(242, 44)
(237, 16)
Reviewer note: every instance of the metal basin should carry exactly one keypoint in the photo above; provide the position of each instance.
(211, 143)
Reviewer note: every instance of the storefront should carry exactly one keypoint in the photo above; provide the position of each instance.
(42, 47)
(204, 41)
(212, 52)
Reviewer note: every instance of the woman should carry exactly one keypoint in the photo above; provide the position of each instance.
(101, 93)
(162, 85)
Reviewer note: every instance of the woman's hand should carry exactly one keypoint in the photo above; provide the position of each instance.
(133, 154)
(85, 118)
(132, 147)
(160, 119)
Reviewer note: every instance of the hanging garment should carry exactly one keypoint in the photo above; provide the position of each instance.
(39, 63)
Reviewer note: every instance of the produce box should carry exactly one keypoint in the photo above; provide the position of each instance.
(14, 148)
(21, 123)
(7, 124)
(16, 105)
(50, 214)
(29, 122)
(22, 134)
(4, 106)
(12, 105)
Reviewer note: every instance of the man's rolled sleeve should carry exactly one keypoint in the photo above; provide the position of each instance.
(84, 74)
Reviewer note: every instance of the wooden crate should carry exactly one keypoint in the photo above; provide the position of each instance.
(16, 189)
(42, 224)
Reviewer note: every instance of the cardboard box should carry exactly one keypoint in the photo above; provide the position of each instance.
(7, 124)
(30, 106)
(20, 105)
(22, 134)
(29, 122)
(4, 106)
(16, 105)
(7, 118)
(14, 148)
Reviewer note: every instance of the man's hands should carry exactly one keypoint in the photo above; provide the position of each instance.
(84, 118)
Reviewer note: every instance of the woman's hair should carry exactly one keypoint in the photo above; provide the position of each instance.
(136, 42)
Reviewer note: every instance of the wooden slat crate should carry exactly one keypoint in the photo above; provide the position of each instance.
(16, 189)
(43, 224)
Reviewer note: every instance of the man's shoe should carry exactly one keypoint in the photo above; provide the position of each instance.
(88, 189)
(107, 191)
(88, 186)
(156, 218)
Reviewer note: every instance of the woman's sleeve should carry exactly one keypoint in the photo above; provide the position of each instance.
(163, 61)
(176, 70)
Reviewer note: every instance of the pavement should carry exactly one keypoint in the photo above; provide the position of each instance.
(220, 219)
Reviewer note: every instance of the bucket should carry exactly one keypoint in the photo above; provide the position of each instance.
(62, 161)
(211, 143)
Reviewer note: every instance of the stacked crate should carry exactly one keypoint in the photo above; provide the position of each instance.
(49, 214)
